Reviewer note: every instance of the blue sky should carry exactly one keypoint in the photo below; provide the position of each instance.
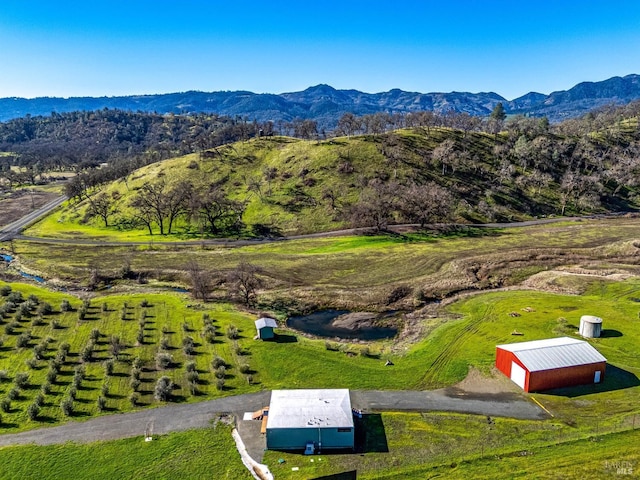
(95, 47)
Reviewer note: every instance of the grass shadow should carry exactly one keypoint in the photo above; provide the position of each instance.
(615, 378)
(176, 398)
(9, 425)
(351, 475)
(609, 333)
(370, 435)
(76, 414)
(283, 338)
(46, 419)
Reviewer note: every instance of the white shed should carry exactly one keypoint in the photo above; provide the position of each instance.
(265, 326)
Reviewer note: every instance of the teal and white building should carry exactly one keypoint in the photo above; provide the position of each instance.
(299, 419)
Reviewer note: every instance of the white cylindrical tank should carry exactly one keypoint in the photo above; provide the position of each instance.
(590, 326)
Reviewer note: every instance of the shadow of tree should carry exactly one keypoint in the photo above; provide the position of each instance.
(351, 475)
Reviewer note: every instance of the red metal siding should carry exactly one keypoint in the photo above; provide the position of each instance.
(547, 379)
(564, 377)
(504, 359)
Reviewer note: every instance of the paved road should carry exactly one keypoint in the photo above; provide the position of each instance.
(13, 229)
(174, 418)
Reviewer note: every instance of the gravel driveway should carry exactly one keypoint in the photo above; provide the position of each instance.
(496, 405)
(186, 416)
(167, 419)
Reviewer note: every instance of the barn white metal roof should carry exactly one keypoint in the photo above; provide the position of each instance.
(554, 353)
(310, 409)
(266, 322)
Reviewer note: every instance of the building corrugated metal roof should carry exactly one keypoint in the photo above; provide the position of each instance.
(310, 408)
(554, 353)
(266, 322)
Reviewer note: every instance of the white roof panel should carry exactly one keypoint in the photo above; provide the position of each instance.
(554, 353)
(310, 409)
(266, 322)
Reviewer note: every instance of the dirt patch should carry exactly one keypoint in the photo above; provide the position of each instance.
(477, 383)
(17, 204)
(560, 280)
(356, 320)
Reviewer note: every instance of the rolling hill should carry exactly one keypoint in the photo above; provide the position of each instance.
(291, 186)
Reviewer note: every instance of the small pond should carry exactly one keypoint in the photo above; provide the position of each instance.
(320, 323)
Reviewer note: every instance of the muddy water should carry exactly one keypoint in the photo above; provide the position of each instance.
(8, 258)
(320, 323)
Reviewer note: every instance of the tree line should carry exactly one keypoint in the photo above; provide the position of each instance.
(84, 142)
(158, 206)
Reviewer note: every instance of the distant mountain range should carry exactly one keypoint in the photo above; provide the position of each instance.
(326, 105)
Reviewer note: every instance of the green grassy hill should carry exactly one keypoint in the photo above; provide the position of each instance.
(290, 186)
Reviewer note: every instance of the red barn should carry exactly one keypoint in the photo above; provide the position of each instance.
(550, 363)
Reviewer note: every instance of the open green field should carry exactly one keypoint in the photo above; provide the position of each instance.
(359, 271)
(586, 267)
(207, 453)
(410, 446)
(434, 445)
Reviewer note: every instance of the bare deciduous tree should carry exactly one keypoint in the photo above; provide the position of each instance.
(102, 206)
(426, 203)
(200, 280)
(244, 282)
(376, 205)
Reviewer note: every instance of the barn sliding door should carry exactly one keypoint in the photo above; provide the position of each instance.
(518, 374)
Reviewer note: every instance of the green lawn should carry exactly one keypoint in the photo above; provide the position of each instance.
(196, 454)
(434, 445)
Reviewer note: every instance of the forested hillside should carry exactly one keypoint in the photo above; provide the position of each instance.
(80, 141)
(520, 169)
